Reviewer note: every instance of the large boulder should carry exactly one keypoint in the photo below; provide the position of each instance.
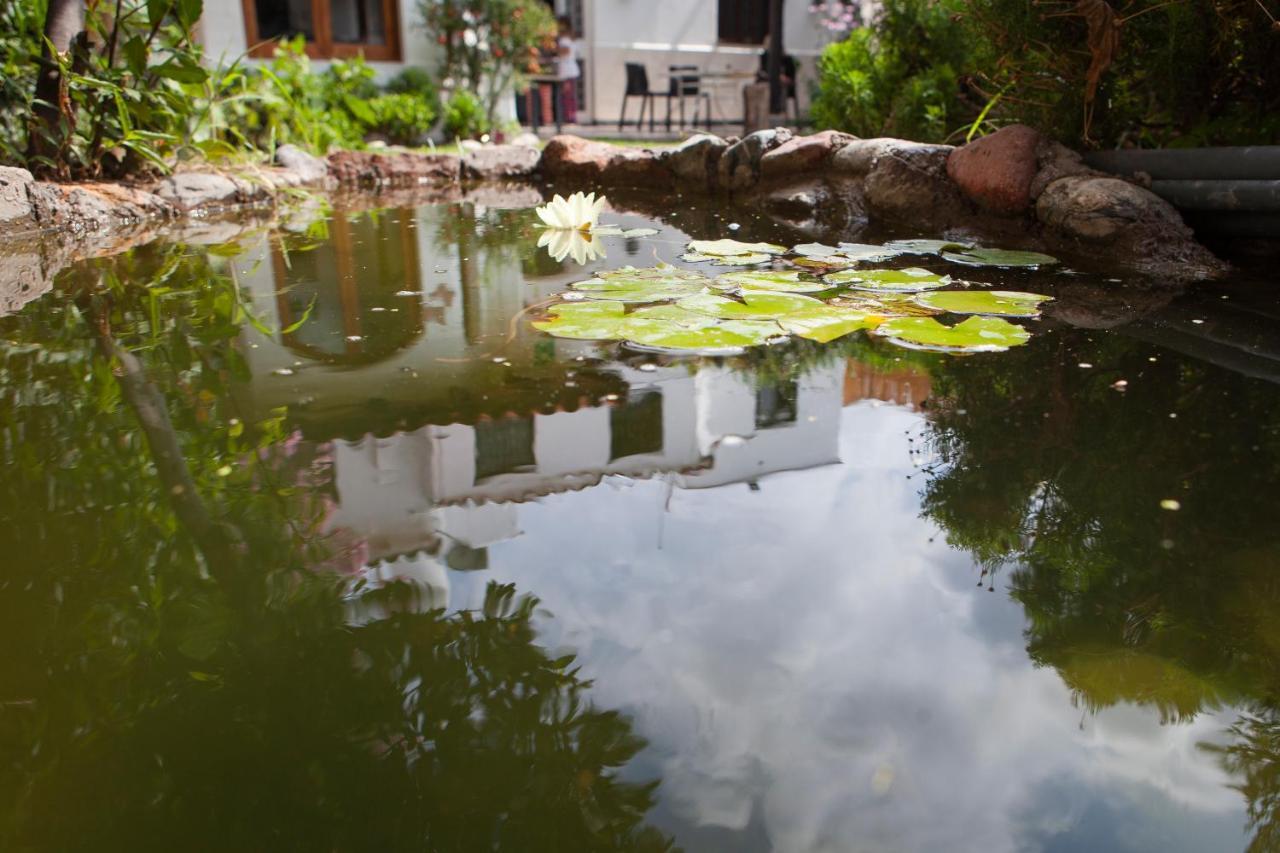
(96, 207)
(739, 166)
(572, 158)
(695, 161)
(909, 184)
(207, 191)
(996, 171)
(802, 154)
(500, 161)
(15, 204)
(310, 170)
(855, 158)
(372, 169)
(1141, 229)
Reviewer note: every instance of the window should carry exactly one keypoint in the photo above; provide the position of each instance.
(504, 446)
(744, 21)
(776, 405)
(332, 28)
(636, 427)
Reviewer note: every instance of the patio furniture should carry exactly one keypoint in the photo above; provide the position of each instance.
(685, 82)
(638, 86)
(557, 89)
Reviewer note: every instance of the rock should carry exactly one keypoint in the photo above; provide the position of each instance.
(528, 140)
(371, 169)
(909, 184)
(500, 161)
(22, 278)
(739, 166)
(93, 207)
(206, 191)
(855, 158)
(1141, 229)
(802, 154)
(504, 195)
(1053, 161)
(996, 171)
(470, 145)
(15, 204)
(310, 169)
(571, 158)
(694, 163)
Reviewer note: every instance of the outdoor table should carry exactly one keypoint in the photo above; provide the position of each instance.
(557, 90)
(720, 79)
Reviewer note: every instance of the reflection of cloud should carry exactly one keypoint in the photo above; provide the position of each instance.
(807, 664)
(561, 243)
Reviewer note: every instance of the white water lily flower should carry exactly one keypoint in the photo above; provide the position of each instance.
(577, 213)
(563, 242)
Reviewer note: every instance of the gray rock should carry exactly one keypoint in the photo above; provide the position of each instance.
(909, 183)
(204, 191)
(311, 169)
(695, 161)
(739, 166)
(854, 159)
(500, 161)
(15, 205)
(1053, 161)
(22, 279)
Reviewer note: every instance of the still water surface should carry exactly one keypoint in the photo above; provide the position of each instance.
(311, 543)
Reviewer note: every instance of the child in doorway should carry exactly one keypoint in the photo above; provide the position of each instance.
(567, 67)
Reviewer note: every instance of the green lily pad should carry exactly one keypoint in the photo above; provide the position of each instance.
(1001, 303)
(868, 252)
(785, 281)
(660, 272)
(636, 291)
(826, 323)
(999, 258)
(727, 260)
(722, 248)
(730, 335)
(754, 305)
(884, 304)
(591, 321)
(907, 280)
(674, 314)
(926, 247)
(815, 250)
(975, 334)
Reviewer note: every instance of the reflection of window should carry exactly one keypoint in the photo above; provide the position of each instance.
(743, 21)
(636, 427)
(332, 28)
(776, 405)
(503, 446)
(350, 284)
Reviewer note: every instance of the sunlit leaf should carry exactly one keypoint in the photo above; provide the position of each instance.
(883, 304)
(753, 305)
(926, 247)
(859, 252)
(999, 258)
(721, 248)
(907, 280)
(729, 335)
(975, 334)
(787, 281)
(826, 323)
(594, 321)
(1002, 303)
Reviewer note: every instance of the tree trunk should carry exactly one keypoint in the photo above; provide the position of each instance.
(63, 20)
(777, 94)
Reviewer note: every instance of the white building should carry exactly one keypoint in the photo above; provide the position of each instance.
(720, 37)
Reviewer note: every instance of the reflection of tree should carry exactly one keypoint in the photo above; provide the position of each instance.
(167, 700)
(1053, 471)
(1254, 755)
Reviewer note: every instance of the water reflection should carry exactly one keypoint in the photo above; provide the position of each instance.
(274, 503)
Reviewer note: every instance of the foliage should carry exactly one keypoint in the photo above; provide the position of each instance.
(464, 117)
(487, 44)
(20, 24)
(898, 77)
(415, 80)
(1142, 72)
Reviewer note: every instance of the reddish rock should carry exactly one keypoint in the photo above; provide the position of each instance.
(572, 158)
(392, 169)
(802, 154)
(996, 171)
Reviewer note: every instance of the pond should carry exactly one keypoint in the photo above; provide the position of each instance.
(312, 541)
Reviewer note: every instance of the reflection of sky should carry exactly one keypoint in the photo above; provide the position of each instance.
(816, 670)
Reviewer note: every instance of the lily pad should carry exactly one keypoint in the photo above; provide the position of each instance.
(606, 231)
(727, 260)
(674, 314)
(979, 257)
(592, 321)
(730, 335)
(907, 280)
(639, 232)
(815, 250)
(926, 247)
(975, 334)
(722, 248)
(779, 280)
(636, 291)
(867, 252)
(754, 305)
(660, 272)
(884, 304)
(826, 323)
(999, 303)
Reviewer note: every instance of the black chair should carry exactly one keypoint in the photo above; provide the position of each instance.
(638, 85)
(686, 83)
(790, 68)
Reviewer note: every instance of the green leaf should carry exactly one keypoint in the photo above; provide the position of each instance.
(815, 250)
(786, 281)
(826, 323)
(926, 247)
(1002, 303)
(754, 305)
(999, 258)
(188, 12)
(907, 280)
(591, 321)
(867, 252)
(730, 335)
(722, 248)
(135, 55)
(883, 304)
(975, 334)
(360, 109)
(181, 72)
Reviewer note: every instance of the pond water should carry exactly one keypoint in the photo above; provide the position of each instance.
(312, 542)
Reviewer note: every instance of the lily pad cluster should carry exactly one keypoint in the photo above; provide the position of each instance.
(824, 294)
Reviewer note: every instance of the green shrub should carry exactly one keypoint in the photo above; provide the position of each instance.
(898, 77)
(414, 80)
(464, 116)
(20, 24)
(402, 119)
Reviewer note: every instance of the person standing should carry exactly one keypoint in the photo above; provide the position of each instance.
(568, 68)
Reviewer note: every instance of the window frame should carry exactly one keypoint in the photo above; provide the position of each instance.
(324, 47)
